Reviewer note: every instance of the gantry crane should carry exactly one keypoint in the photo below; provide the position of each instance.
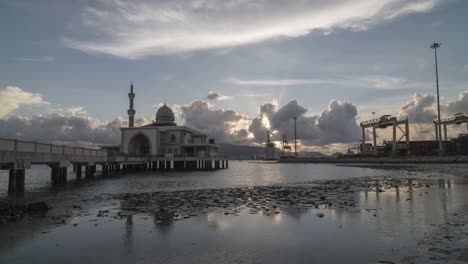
(456, 119)
(384, 122)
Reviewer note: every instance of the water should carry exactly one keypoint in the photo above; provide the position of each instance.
(393, 230)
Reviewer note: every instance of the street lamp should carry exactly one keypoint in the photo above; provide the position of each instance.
(295, 138)
(434, 46)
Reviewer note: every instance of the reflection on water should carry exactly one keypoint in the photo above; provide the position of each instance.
(384, 225)
(128, 235)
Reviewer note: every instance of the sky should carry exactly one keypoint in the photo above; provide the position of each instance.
(231, 68)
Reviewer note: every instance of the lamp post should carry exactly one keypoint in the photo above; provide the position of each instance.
(295, 138)
(434, 46)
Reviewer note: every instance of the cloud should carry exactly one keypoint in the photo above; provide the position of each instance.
(12, 97)
(222, 125)
(458, 106)
(134, 30)
(72, 129)
(42, 59)
(465, 68)
(216, 96)
(380, 82)
(420, 109)
(336, 124)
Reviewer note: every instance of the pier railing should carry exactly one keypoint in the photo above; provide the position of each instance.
(34, 147)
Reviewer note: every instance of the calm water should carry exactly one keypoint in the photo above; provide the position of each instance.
(294, 236)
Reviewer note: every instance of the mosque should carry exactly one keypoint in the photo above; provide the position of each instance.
(164, 138)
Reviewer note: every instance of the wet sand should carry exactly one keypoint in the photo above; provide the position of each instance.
(398, 217)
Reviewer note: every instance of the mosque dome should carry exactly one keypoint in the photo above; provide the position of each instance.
(165, 116)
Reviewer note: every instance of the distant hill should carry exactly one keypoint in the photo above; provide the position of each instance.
(242, 151)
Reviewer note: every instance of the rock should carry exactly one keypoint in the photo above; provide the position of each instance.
(319, 215)
(38, 207)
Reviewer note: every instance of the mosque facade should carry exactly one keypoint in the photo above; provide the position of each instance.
(163, 137)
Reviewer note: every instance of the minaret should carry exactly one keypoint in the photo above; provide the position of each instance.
(131, 112)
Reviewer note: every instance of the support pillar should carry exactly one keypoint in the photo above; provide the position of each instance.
(374, 136)
(78, 171)
(54, 175)
(407, 136)
(445, 132)
(227, 164)
(436, 132)
(363, 142)
(63, 175)
(16, 181)
(90, 171)
(394, 146)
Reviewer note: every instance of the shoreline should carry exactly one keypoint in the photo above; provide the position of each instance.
(383, 160)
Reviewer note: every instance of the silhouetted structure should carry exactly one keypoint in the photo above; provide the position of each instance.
(286, 150)
(434, 46)
(384, 122)
(131, 112)
(295, 137)
(269, 148)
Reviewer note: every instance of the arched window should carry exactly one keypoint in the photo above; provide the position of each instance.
(176, 151)
(173, 138)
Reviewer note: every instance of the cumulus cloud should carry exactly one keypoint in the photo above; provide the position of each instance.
(216, 96)
(458, 106)
(420, 109)
(65, 128)
(12, 97)
(336, 124)
(138, 29)
(223, 125)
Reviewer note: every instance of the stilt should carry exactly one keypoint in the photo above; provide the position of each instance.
(16, 181)
(63, 175)
(78, 171)
(54, 175)
(90, 171)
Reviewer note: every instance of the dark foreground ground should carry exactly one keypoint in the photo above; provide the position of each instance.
(406, 214)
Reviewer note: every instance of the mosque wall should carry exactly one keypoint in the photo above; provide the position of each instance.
(149, 133)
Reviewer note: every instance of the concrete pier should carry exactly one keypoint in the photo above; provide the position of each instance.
(16, 181)
(59, 170)
(78, 171)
